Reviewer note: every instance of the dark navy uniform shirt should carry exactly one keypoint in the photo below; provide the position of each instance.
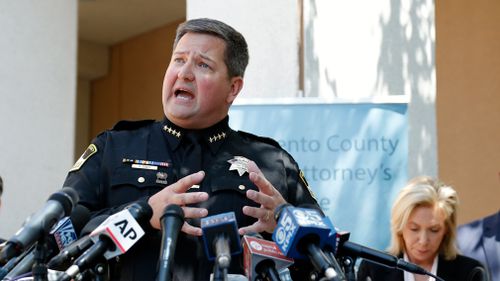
(135, 160)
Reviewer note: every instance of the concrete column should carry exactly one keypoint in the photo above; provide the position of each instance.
(37, 103)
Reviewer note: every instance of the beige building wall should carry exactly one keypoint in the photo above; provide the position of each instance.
(468, 102)
(132, 88)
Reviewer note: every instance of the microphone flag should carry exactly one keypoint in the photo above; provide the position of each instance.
(255, 250)
(122, 228)
(296, 223)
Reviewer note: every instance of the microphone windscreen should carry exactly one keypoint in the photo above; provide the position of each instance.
(67, 229)
(71, 193)
(141, 212)
(80, 216)
(93, 224)
(173, 210)
(65, 198)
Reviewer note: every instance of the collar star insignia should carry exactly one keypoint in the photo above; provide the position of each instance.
(217, 137)
(172, 131)
(240, 164)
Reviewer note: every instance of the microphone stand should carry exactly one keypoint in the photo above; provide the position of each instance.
(101, 272)
(220, 273)
(39, 268)
(348, 265)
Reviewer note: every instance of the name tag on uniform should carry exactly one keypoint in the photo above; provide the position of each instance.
(144, 167)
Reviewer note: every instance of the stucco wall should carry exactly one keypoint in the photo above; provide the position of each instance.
(37, 103)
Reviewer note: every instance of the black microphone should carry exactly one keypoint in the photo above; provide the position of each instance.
(62, 234)
(12, 263)
(38, 225)
(171, 223)
(353, 249)
(113, 237)
(339, 242)
(64, 259)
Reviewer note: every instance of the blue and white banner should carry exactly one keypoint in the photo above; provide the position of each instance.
(354, 157)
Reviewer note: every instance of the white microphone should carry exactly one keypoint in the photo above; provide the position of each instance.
(113, 237)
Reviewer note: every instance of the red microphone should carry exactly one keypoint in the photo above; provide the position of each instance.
(263, 258)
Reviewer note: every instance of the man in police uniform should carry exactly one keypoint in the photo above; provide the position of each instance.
(191, 158)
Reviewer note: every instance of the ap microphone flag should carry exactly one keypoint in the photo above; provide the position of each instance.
(122, 228)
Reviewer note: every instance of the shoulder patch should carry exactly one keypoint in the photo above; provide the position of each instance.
(125, 125)
(91, 150)
(304, 181)
(262, 139)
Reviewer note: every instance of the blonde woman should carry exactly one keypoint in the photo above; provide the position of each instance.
(423, 231)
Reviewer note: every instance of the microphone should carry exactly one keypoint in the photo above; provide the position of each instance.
(65, 231)
(66, 227)
(300, 233)
(350, 248)
(347, 248)
(262, 259)
(12, 263)
(64, 259)
(171, 223)
(113, 237)
(331, 245)
(221, 239)
(58, 205)
(341, 245)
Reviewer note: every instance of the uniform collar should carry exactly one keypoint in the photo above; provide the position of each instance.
(212, 136)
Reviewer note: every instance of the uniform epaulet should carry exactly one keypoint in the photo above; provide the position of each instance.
(125, 125)
(262, 139)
